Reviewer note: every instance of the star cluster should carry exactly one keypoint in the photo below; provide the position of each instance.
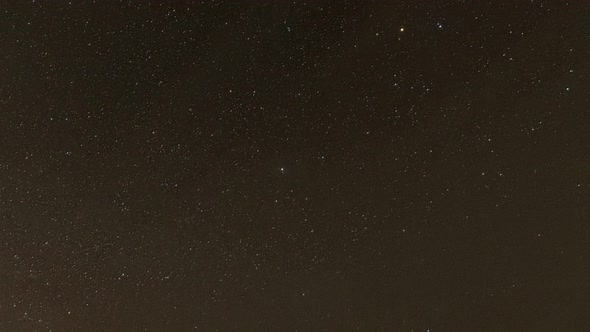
(271, 166)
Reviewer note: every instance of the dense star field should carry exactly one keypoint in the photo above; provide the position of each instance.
(295, 166)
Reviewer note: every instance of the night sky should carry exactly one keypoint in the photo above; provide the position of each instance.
(295, 166)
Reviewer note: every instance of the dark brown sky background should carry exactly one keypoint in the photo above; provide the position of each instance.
(294, 166)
